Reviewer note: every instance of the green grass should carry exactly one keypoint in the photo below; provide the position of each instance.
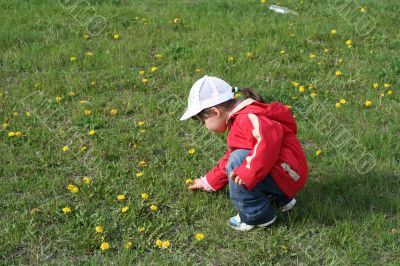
(343, 217)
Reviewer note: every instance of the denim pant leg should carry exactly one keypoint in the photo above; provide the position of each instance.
(254, 206)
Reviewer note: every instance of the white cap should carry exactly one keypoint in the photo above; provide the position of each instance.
(207, 92)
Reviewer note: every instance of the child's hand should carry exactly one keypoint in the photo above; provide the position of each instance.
(197, 184)
(236, 178)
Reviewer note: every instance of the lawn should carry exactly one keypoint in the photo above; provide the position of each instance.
(96, 163)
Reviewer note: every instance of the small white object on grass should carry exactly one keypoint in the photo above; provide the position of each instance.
(282, 10)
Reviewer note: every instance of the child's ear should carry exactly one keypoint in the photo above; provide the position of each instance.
(217, 112)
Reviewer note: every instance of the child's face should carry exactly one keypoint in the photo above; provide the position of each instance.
(217, 122)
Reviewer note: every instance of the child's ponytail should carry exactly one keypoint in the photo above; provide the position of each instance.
(249, 93)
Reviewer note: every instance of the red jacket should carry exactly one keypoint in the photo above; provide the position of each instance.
(269, 131)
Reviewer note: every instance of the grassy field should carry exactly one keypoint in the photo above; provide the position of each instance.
(87, 118)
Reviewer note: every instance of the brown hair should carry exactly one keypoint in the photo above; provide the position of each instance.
(246, 92)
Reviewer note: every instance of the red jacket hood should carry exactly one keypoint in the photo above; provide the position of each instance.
(274, 111)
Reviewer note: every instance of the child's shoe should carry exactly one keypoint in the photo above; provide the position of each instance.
(289, 205)
(237, 224)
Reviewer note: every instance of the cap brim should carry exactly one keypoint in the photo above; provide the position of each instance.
(189, 113)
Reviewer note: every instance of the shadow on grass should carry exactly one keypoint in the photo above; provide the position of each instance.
(346, 196)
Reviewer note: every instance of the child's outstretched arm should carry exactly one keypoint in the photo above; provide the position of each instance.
(201, 183)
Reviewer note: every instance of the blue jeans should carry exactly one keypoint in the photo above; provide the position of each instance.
(254, 206)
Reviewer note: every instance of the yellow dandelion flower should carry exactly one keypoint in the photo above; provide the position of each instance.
(34, 211)
(104, 246)
(312, 56)
(263, 1)
(92, 132)
(375, 86)
(11, 134)
(28, 114)
(145, 81)
(71, 94)
(368, 103)
(140, 123)
(387, 85)
(58, 99)
(237, 95)
(159, 243)
(18, 134)
(145, 196)
(340, 60)
(302, 89)
(89, 53)
(295, 84)
(86, 36)
(72, 188)
(199, 236)
(313, 95)
(333, 31)
(389, 92)
(318, 152)
(139, 174)
(99, 229)
(125, 209)
(338, 73)
(326, 50)
(231, 58)
(249, 55)
(153, 69)
(158, 56)
(116, 36)
(198, 70)
(142, 164)
(114, 112)
(382, 94)
(166, 244)
(141, 72)
(65, 148)
(363, 9)
(83, 149)
(66, 210)
(83, 101)
(72, 58)
(343, 101)
(282, 52)
(92, 84)
(128, 245)
(15, 114)
(87, 180)
(191, 151)
(142, 130)
(121, 197)
(338, 105)
(87, 112)
(349, 42)
(141, 229)
(188, 181)
(153, 207)
(4, 125)
(175, 20)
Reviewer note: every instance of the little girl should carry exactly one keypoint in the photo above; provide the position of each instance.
(264, 161)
